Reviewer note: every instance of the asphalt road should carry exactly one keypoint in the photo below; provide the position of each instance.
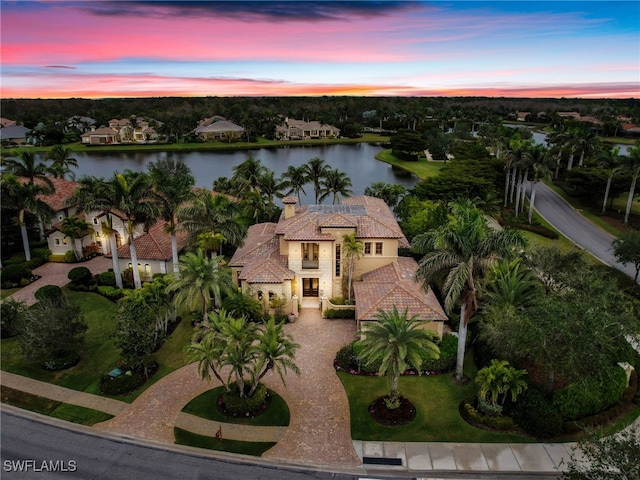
(78, 455)
(555, 210)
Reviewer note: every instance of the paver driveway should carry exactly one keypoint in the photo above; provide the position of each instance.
(319, 432)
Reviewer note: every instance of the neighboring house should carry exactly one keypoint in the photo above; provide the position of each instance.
(522, 116)
(14, 134)
(5, 122)
(218, 129)
(300, 130)
(153, 249)
(80, 124)
(630, 129)
(123, 131)
(95, 241)
(301, 258)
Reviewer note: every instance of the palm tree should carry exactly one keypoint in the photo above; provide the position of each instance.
(397, 342)
(510, 285)
(316, 172)
(276, 351)
(463, 250)
(208, 212)
(335, 183)
(610, 161)
(499, 379)
(295, 178)
(210, 242)
(76, 228)
(173, 186)
(353, 250)
(241, 353)
(35, 172)
(201, 282)
(391, 193)
(134, 197)
(62, 160)
(540, 166)
(25, 198)
(249, 174)
(632, 164)
(96, 194)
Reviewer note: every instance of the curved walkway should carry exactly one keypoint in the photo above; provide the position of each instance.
(56, 274)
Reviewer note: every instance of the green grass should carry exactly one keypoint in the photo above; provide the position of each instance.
(45, 406)
(205, 406)
(436, 399)
(422, 168)
(256, 449)
(5, 292)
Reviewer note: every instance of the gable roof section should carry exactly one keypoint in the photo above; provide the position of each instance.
(155, 244)
(64, 190)
(100, 131)
(394, 285)
(13, 131)
(220, 126)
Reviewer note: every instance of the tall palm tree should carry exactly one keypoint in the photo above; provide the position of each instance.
(463, 250)
(95, 194)
(62, 160)
(173, 186)
(353, 250)
(276, 351)
(76, 228)
(248, 174)
(632, 164)
(134, 197)
(540, 166)
(397, 342)
(610, 161)
(295, 178)
(335, 183)
(208, 212)
(25, 198)
(34, 171)
(316, 172)
(241, 352)
(201, 282)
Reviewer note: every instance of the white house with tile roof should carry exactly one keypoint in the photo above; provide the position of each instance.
(301, 257)
(293, 129)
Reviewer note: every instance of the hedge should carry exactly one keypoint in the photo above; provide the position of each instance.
(61, 361)
(48, 292)
(448, 354)
(536, 416)
(14, 272)
(231, 404)
(106, 278)
(333, 313)
(80, 275)
(469, 413)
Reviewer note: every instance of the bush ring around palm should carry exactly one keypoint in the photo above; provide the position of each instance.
(232, 405)
(405, 412)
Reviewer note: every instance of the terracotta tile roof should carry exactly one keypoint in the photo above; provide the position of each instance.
(155, 244)
(260, 257)
(391, 285)
(220, 126)
(100, 131)
(64, 190)
(370, 216)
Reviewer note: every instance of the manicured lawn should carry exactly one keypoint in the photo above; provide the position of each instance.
(5, 292)
(233, 446)
(45, 406)
(436, 399)
(422, 168)
(205, 406)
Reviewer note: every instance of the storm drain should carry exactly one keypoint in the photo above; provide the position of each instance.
(382, 461)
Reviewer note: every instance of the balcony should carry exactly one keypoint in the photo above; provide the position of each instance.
(310, 264)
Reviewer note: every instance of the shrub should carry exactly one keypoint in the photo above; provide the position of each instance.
(61, 361)
(14, 259)
(106, 278)
(231, 403)
(14, 272)
(474, 417)
(346, 359)
(334, 313)
(35, 263)
(11, 314)
(535, 414)
(48, 292)
(339, 301)
(42, 253)
(373, 367)
(111, 293)
(447, 361)
(591, 395)
(488, 408)
(122, 384)
(80, 275)
(70, 256)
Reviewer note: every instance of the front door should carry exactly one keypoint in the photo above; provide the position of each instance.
(310, 287)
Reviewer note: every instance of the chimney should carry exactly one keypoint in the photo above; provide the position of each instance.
(289, 206)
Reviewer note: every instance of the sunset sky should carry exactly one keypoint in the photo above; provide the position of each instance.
(96, 49)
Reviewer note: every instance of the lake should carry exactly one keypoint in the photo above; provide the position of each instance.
(357, 161)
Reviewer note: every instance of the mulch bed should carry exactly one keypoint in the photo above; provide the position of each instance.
(402, 415)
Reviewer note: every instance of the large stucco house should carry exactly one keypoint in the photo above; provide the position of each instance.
(292, 129)
(123, 130)
(301, 258)
(218, 128)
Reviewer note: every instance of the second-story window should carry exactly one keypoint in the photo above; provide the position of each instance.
(367, 248)
(338, 252)
(378, 248)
